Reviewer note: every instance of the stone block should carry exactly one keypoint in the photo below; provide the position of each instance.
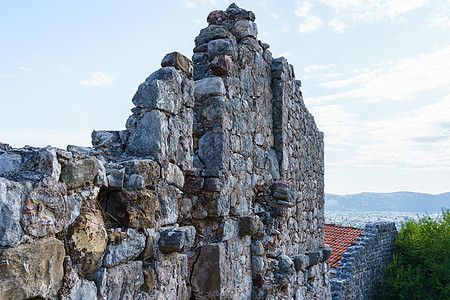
(148, 169)
(174, 175)
(10, 162)
(223, 65)
(129, 249)
(245, 28)
(257, 264)
(115, 179)
(217, 17)
(209, 273)
(222, 47)
(134, 209)
(149, 137)
(109, 141)
(326, 252)
(179, 61)
(161, 90)
(87, 241)
(79, 173)
(168, 197)
(208, 87)
(121, 282)
(83, 289)
(12, 195)
(177, 239)
(249, 225)
(48, 164)
(32, 270)
(301, 262)
(314, 258)
(214, 150)
(135, 182)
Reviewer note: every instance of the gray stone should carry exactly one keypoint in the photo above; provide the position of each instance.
(214, 150)
(211, 86)
(77, 174)
(83, 290)
(115, 179)
(274, 168)
(121, 282)
(12, 195)
(212, 32)
(161, 90)
(168, 197)
(148, 169)
(245, 28)
(222, 47)
(129, 249)
(257, 264)
(249, 225)
(314, 257)
(177, 239)
(175, 176)
(179, 61)
(10, 162)
(327, 251)
(109, 141)
(301, 262)
(149, 138)
(135, 182)
(32, 270)
(48, 164)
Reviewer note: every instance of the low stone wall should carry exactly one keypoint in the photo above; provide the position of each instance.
(360, 270)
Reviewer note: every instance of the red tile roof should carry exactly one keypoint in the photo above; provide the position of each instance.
(340, 238)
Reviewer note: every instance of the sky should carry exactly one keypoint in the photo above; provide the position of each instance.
(375, 75)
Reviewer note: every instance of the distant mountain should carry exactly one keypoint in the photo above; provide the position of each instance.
(398, 201)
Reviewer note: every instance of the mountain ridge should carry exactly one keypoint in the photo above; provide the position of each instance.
(396, 201)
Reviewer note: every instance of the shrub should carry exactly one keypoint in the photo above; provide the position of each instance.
(421, 264)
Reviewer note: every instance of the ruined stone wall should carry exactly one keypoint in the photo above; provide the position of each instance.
(360, 271)
(213, 191)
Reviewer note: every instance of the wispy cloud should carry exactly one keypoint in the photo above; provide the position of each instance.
(397, 80)
(98, 79)
(197, 22)
(337, 25)
(25, 69)
(440, 16)
(311, 22)
(314, 68)
(189, 4)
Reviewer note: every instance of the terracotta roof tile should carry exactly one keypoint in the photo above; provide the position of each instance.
(340, 238)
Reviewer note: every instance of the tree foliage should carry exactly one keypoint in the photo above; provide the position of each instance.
(421, 264)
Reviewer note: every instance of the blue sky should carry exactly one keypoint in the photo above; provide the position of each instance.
(375, 74)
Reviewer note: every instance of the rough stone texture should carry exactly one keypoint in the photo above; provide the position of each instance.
(31, 270)
(360, 271)
(12, 195)
(87, 241)
(214, 190)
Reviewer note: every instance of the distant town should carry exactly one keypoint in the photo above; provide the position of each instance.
(360, 218)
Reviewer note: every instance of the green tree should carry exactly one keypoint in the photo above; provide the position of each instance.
(421, 264)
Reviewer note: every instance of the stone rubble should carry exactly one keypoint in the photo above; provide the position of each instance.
(213, 191)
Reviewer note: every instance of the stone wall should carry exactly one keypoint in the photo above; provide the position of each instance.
(213, 191)
(360, 270)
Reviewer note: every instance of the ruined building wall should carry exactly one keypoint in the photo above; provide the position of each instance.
(213, 191)
(360, 271)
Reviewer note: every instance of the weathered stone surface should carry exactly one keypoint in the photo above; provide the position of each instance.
(301, 262)
(214, 150)
(115, 179)
(48, 164)
(149, 138)
(129, 249)
(83, 290)
(222, 47)
(148, 169)
(12, 195)
(174, 175)
(314, 258)
(249, 225)
(121, 282)
(209, 273)
(168, 197)
(211, 86)
(108, 141)
(87, 241)
(179, 61)
(177, 239)
(46, 211)
(79, 173)
(134, 209)
(32, 270)
(10, 162)
(217, 17)
(212, 32)
(223, 65)
(326, 252)
(245, 28)
(161, 90)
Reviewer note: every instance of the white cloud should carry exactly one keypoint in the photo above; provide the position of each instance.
(371, 10)
(311, 22)
(417, 139)
(440, 17)
(24, 69)
(314, 68)
(189, 4)
(197, 22)
(337, 124)
(275, 16)
(98, 79)
(337, 25)
(398, 80)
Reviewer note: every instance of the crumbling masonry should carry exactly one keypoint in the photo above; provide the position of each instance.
(213, 191)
